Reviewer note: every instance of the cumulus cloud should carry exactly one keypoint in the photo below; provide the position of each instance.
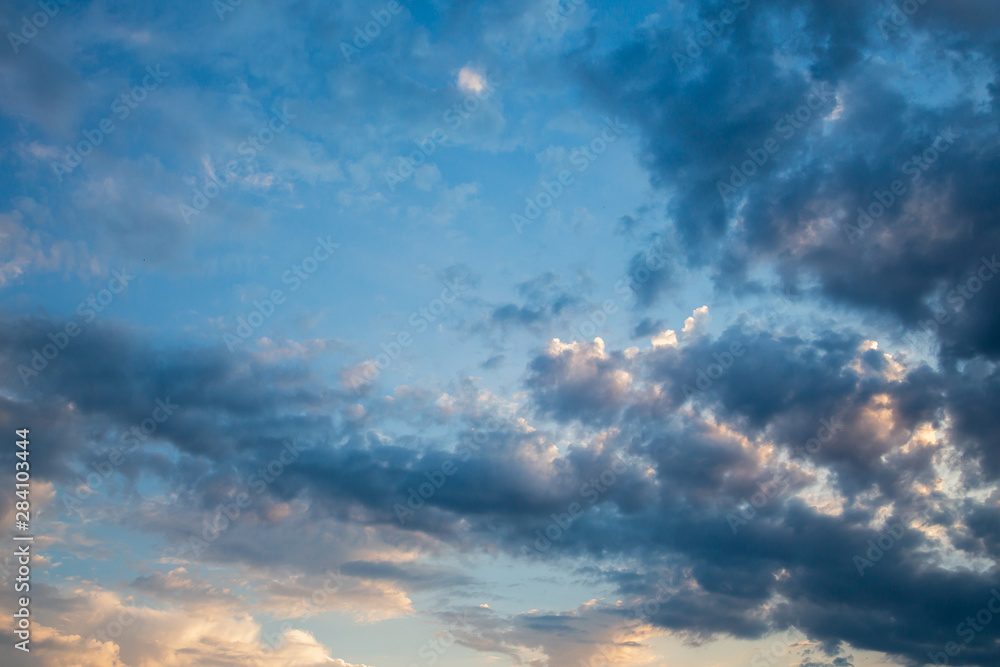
(855, 437)
(211, 627)
(730, 477)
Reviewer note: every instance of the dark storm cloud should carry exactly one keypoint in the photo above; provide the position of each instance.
(984, 525)
(684, 476)
(972, 399)
(109, 375)
(805, 381)
(704, 118)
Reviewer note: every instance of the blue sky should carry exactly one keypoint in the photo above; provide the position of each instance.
(522, 333)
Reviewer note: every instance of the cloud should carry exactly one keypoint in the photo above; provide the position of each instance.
(109, 630)
(760, 461)
(696, 458)
(471, 81)
(696, 324)
(699, 130)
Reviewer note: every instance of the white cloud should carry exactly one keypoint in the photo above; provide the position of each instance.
(666, 338)
(470, 80)
(697, 324)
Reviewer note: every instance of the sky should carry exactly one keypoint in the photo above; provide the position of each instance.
(400, 333)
